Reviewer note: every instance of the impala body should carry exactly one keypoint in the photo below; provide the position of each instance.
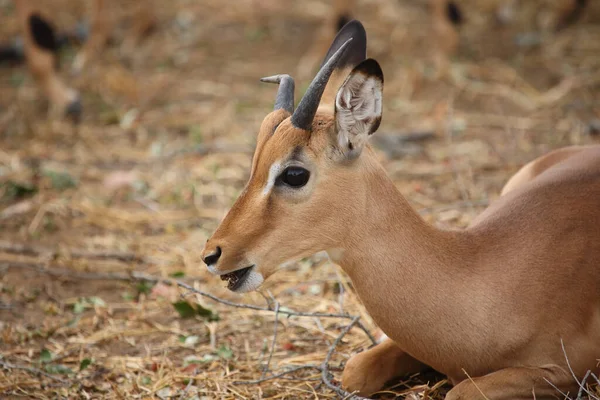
(497, 301)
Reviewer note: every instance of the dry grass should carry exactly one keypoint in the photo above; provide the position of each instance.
(164, 149)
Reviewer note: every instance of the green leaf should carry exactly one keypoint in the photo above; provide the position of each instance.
(194, 360)
(17, 190)
(196, 134)
(60, 180)
(178, 274)
(96, 301)
(146, 380)
(225, 352)
(206, 313)
(58, 369)
(127, 296)
(80, 306)
(45, 356)
(185, 309)
(85, 363)
(144, 287)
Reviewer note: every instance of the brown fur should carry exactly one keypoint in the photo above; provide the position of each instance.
(539, 165)
(493, 301)
(489, 299)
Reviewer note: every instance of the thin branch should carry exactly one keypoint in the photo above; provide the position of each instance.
(325, 365)
(186, 389)
(284, 312)
(35, 371)
(117, 276)
(585, 378)
(18, 248)
(573, 373)
(277, 376)
(565, 395)
(140, 276)
(266, 368)
(595, 378)
(475, 384)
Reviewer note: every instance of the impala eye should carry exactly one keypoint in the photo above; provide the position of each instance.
(294, 176)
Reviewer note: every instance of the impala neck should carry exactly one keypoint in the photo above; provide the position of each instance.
(403, 269)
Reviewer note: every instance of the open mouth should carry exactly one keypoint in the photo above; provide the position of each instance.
(237, 278)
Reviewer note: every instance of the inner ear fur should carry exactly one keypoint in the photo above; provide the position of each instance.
(358, 106)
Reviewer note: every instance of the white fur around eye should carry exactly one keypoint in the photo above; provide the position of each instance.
(274, 172)
(358, 107)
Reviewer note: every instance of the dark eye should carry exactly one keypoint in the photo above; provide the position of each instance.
(294, 176)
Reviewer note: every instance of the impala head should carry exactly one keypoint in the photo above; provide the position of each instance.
(304, 188)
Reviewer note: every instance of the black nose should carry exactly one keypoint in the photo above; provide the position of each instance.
(214, 257)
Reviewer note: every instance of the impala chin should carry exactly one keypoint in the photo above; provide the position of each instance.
(243, 280)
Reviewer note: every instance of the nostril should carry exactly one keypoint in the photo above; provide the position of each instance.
(214, 257)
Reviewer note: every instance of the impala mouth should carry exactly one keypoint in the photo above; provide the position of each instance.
(237, 278)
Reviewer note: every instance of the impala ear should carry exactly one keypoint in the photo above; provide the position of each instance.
(43, 33)
(358, 107)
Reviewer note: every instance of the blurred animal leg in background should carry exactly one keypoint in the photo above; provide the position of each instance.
(100, 25)
(40, 48)
(143, 21)
(342, 12)
(445, 19)
(569, 12)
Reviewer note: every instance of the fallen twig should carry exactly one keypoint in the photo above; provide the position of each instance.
(279, 375)
(323, 368)
(137, 276)
(266, 368)
(581, 384)
(17, 248)
(283, 312)
(325, 365)
(118, 276)
(35, 371)
(140, 276)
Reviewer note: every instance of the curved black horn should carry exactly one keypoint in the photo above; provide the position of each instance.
(285, 93)
(305, 113)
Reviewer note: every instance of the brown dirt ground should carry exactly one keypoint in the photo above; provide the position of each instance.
(194, 86)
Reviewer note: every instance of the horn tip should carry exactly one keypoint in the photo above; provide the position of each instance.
(271, 79)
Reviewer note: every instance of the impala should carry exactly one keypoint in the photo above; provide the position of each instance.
(41, 47)
(497, 300)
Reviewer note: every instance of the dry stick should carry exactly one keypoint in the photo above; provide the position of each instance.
(324, 367)
(585, 378)
(32, 370)
(325, 364)
(475, 384)
(266, 368)
(115, 276)
(595, 378)
(564, 395)
(16, 248)
(284, 312)
(140, 276)
(186, 389)
(279, 375)
(573, 373)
